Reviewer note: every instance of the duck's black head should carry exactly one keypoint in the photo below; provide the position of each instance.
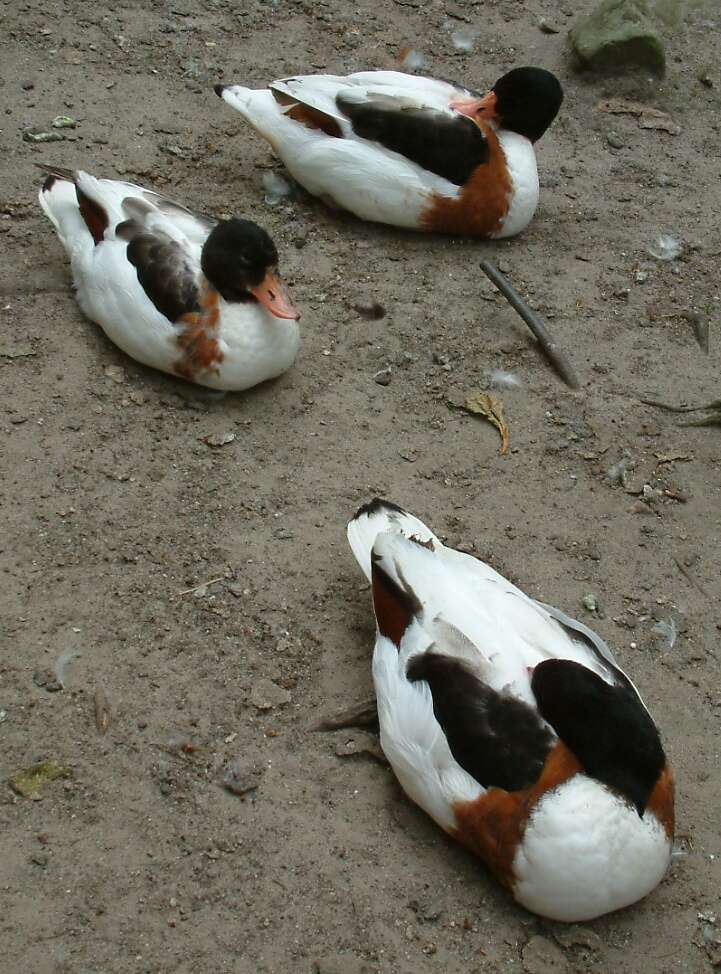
(526, 101)
(239, 260)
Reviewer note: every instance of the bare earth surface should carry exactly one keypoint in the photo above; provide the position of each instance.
(114, 505)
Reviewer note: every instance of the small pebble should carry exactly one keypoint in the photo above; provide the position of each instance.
(370, 310)
(384, 376)
(114, 372)
(427, 906)
(614, 140)
(47, 680)
(547, 27)
(265, 695)
(241, 777)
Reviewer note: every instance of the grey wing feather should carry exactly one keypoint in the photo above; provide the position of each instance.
(594, 642)
(195, 226)
(591, 637)
(164, 271)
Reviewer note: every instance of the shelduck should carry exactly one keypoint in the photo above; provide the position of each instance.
(410, 151)
(189, 295)
(512, 725)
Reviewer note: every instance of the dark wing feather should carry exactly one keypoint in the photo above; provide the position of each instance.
(582, 633)
(451, 146)
(607, 727)
(499, 740)
(164, 271)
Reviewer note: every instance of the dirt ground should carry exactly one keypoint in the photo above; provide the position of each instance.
(115, 507)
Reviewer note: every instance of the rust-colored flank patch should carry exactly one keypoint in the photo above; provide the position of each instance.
(311, 118)
(492, 826)
(661, 802)
(483, 201)
(96, 219)
(394, 608)
(198, 339)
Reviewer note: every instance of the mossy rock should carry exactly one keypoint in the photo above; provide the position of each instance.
(616, 36)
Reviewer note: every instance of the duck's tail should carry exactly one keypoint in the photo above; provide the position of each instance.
(75, 205)
(379, 517)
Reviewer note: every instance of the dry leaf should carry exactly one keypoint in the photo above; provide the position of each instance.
(648, 117)
(672, 457)
(666, 124)
(715, 405)
(362, 714)
(361, 743)
(29, 781)
(620, 106)
(491, 408)
(713, 420)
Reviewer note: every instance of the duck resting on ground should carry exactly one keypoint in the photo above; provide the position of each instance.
(189, 295)
(410, 151)
(512, 725)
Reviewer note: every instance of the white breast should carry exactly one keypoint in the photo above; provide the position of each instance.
(256, 346)
(521, 162)
(585, 852)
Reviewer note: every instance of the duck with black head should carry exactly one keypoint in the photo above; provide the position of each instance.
(411, 151)
(190, 295)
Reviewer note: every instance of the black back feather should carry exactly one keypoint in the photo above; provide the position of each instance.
(164, 274)
(451, 146)
(499, 740)
(607, 727)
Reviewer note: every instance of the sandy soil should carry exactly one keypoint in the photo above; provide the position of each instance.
(114, 505)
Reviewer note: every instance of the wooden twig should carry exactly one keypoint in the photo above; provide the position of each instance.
(363, 714)
(689, 577)
(553, 353)
(187, 591)
(102, 710)
(670, 408)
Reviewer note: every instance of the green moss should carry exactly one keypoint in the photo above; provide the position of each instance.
(618, 35)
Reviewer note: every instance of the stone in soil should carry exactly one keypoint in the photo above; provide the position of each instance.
(618, 35)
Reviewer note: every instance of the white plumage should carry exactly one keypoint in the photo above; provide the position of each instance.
(349, 173)
(363, 175)
(585, 850)
(252, 344)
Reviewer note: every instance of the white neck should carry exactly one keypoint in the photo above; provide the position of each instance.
(521, 162)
